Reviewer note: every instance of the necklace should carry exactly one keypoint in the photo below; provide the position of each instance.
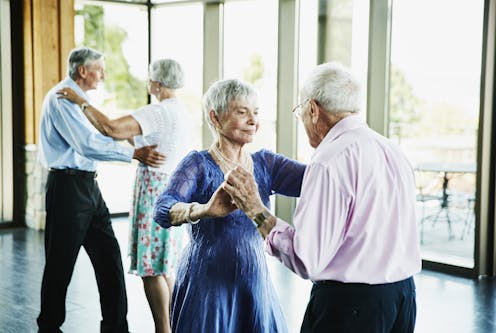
(228, 164)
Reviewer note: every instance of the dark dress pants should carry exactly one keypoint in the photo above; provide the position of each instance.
(77, 216)
(336, 307)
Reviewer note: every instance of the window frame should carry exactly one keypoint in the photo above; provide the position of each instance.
(377, 102)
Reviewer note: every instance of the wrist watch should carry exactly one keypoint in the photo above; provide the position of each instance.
(260, 218)
(83, 106)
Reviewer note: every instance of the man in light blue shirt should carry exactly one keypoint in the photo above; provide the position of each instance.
(76, 212)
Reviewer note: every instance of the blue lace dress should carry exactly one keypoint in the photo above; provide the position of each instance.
(223, 283)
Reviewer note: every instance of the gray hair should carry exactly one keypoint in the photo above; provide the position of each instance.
(221, 93)
(80, 57)
(333, 87)
(168, 72)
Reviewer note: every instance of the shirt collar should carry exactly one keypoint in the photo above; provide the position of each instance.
(344, 125)
(69, 82)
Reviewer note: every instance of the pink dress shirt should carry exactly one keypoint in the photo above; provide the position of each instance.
(355, 219)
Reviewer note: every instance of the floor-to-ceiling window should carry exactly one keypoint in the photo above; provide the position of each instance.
(428, 82)
(6, 147)
(332, 31)
(174, 37)
(121, 33)
(250, 53)
(435, 80)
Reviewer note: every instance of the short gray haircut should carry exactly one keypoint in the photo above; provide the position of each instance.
(80, 57)
(333, 87)
(221, 93)
(168, 72)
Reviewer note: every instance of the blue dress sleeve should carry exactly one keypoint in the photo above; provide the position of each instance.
(182, 185)
(286, 174)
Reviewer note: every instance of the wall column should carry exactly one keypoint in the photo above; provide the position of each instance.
(48, 37)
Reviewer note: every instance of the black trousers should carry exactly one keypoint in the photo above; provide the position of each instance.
(77, 216)
(361, 308)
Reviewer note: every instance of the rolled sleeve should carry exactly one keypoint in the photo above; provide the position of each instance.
(163, 205)
(279, 243)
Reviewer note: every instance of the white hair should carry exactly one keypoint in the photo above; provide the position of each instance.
(333, 87)
(81, 57)
(221, 93)
(168, 72)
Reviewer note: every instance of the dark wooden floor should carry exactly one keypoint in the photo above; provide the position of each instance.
(445, 303)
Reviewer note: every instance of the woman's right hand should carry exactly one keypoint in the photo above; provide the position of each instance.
(220, 204)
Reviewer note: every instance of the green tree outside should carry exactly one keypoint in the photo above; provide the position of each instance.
(255, 69)
(403, 105)
(128, 91)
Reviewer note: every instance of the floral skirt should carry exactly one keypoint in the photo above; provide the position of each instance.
(153, 250)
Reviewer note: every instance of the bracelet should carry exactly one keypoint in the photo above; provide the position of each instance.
(188, 219)
(260, 218)
(84, 105)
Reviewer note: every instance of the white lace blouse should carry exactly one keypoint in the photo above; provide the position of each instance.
(166, 125)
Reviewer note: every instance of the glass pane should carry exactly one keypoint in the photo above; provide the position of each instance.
(166, 43)
(254, 59)
(120, 32)
(307, 60)
(332, 30)
(6, 128)
(434, 115)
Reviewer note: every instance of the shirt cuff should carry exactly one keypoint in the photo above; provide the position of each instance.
(280, 238)
(128, 152)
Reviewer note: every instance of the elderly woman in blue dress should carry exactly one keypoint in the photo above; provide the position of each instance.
(223, 284)
(154, 251)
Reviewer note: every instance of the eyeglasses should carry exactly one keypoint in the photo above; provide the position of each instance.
(298, 109)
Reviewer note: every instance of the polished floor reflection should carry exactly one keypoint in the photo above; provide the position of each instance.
(445, 303)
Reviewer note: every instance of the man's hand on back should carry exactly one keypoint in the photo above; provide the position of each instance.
(149, 156)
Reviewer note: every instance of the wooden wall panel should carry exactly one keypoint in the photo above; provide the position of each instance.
(66, 19)
(46, 58)
(28, 72)
(48, 38)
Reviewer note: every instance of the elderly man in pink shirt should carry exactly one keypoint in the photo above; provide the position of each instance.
(354, 233)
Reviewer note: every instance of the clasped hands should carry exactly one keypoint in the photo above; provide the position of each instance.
(239, 190)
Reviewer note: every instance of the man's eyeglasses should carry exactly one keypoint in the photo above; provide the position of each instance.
(298, 109)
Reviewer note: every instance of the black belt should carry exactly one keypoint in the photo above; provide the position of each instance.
(327, 283)
(75, 172)
(339, 283)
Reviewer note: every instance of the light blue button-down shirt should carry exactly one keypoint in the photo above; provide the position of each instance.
(67, 138)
